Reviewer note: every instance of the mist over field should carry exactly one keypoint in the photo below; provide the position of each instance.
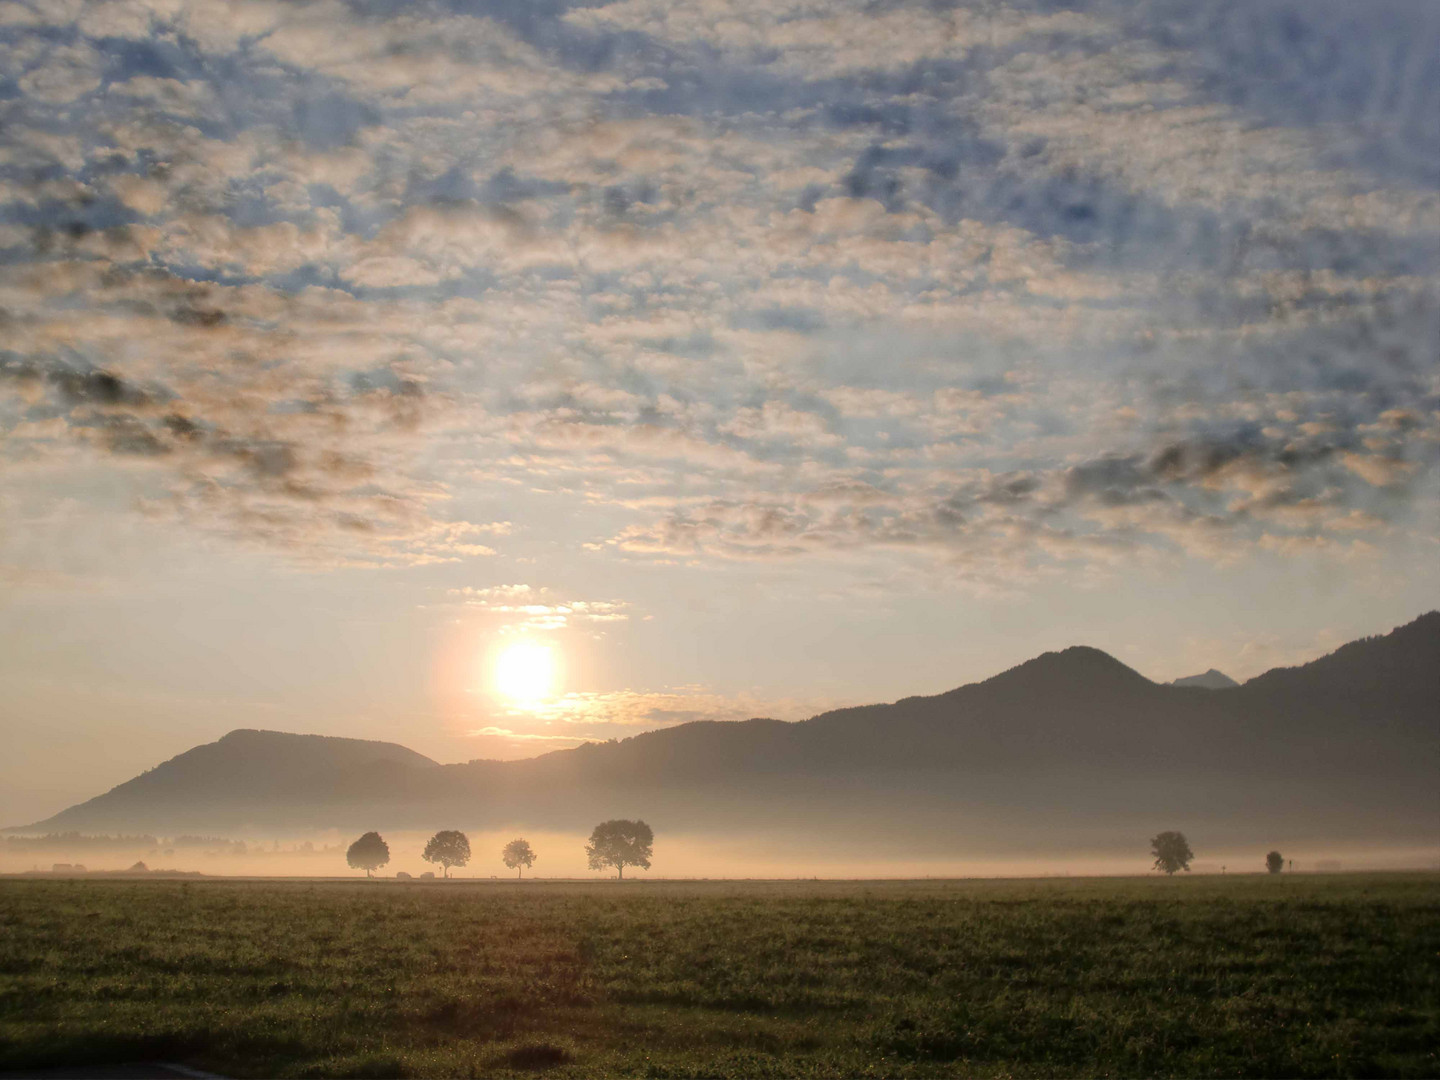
(679, 856)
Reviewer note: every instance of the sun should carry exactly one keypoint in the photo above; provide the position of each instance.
(525, 672)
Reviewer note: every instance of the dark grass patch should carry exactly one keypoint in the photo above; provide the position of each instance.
(1324, 976)
(540, 1055)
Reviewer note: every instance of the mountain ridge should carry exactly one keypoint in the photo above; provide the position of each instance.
(1074, 732)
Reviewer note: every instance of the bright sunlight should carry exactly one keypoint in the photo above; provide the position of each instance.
(525, 672)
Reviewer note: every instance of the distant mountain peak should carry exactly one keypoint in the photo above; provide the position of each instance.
(1209, 680)
(1078, 663)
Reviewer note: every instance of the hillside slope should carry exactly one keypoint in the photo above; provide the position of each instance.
(245, 769)
(1075, 741)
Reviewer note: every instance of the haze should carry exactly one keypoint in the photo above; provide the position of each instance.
(494, 378)
(562, 856)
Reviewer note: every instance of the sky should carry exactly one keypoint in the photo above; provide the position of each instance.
(730, 357)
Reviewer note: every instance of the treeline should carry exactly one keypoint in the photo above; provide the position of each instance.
(613, 844)
(210, 843)
(76, 841)
(79, 870)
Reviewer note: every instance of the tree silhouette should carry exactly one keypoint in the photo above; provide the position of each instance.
(518, 854)
(368, 853)
(620, 844)
(448, 848)
(1172, 852)
(1274, 862)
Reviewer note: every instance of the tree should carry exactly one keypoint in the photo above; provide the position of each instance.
(518, 854)
(368, 853)
(1274, 862)
(1172, 852)
(448, 848)
(620, 844)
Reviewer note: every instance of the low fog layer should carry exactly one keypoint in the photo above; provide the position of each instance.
(679, 855)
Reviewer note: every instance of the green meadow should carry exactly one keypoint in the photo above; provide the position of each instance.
(1206, 976)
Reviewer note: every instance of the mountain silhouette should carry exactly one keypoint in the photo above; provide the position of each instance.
(1068, 747)
(246, 768)
(1208, 680)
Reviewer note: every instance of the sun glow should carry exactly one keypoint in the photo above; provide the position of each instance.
(525, 672)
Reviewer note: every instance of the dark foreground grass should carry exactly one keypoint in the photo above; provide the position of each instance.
(1286, 976)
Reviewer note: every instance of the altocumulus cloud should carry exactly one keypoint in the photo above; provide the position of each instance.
(1004, 289)
(523, 608)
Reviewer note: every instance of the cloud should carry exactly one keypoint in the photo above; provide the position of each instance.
(279, 449)
(418, 59)
(999, 290)
(825, 40)
(576, 718)
(525, 608)
(528, 736)
(191, 99)
(1215, 494)
(63, 74)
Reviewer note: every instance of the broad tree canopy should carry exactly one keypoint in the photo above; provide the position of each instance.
(448, 847)
(368, 853)
(620, 844)
(1172, 852)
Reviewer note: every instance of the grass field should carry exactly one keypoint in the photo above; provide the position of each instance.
(1215, 976)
